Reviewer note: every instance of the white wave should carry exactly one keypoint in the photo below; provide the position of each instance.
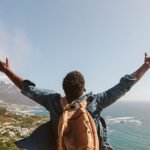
(110, 131)
(124, 120)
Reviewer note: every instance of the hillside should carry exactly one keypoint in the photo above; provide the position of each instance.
(14, 126)
(11, 94)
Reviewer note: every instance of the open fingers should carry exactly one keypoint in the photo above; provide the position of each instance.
(2, 63)
(7, 64)
(148, 59)
(6, 60)
(145, 54)
(2, 66)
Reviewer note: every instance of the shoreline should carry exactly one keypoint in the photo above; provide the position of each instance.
(24, 109)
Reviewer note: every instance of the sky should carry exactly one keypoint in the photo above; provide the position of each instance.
(103, 39)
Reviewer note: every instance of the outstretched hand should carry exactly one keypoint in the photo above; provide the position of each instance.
(147, 60)
(4, 65)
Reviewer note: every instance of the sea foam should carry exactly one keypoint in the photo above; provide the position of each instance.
(123, 120)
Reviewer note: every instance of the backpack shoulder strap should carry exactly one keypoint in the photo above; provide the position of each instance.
(64, 103)
(83, 103)
(103, 122)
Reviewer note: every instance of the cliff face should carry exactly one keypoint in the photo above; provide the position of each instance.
(14, 127)
(11, 94)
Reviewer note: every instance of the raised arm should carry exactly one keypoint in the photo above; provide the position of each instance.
(44, 97)
(4, 67)
(110, 96)
(141, 71)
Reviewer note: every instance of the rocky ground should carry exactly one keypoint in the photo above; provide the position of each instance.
(14, 126)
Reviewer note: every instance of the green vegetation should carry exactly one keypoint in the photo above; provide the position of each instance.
(16, 126)
(8, 145)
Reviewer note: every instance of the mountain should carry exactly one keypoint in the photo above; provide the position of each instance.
(11, 94)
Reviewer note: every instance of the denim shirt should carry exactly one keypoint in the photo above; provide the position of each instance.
(45, 136)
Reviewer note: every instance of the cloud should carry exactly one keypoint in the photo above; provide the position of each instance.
(16, 46)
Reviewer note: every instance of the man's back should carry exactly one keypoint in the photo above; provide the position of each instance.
(46, 136)
(74, 87)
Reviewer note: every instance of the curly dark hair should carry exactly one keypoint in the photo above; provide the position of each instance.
(73, 85)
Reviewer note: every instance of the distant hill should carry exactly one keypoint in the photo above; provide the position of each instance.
(11, 94)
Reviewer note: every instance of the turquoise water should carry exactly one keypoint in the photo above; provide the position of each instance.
(128, 124)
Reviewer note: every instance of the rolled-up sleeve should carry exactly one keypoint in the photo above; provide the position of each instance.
(41, 96)
(110, 96)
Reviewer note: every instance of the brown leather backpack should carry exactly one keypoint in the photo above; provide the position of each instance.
(76, 130)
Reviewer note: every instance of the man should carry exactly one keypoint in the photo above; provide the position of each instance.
(45, 137)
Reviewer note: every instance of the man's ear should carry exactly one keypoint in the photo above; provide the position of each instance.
(84, 90)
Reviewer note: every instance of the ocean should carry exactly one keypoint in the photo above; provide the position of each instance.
(128, 124)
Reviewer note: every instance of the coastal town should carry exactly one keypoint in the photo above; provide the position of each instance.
(16, 124)
(19, 116)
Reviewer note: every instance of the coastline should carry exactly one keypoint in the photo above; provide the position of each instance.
(15, 123)
(24, 109)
